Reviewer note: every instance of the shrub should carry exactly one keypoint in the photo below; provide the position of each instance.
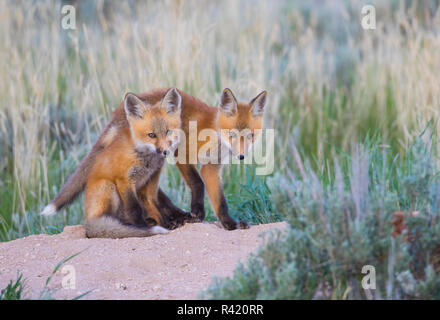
(371, 209)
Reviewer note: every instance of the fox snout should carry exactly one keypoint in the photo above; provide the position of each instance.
(162, 152)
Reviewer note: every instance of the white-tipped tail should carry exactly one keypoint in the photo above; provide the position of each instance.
(49, 210)
(108, 227)
(159, 230)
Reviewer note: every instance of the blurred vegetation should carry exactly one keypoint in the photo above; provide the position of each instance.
(333, 87)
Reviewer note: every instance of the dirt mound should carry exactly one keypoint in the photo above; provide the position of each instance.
(177, 265)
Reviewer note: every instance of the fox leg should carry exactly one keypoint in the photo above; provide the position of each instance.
(211, 175)
(148, 195)
(100, 198)
(131, 210)
(102, 203)
(174, 214)
(195, 183)
(159, 207)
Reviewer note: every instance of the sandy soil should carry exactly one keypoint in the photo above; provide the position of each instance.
(177, 265)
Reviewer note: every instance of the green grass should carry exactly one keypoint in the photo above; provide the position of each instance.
(249, 197)
(14, 289)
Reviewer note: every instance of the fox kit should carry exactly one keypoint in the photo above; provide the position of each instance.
(232, 115)
(119, 199)
(235, 117)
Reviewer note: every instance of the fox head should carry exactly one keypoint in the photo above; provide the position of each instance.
(240, 122)
(154, 127)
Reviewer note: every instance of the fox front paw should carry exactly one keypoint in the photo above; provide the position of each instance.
(174, 222)
(193, 218)
(197, 213)
(243, 225)
(232, 225)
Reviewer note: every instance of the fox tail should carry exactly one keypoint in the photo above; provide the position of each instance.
(74, 185)
(108, 227)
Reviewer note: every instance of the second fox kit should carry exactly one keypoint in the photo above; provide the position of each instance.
(229, 118)
(119, 201)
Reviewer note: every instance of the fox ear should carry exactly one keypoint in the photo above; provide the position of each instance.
(258, 103)
(172, 101)
(133, 105)
(228, 103)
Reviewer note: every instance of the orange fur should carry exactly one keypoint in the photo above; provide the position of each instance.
(149, 196)
(241, 116)
(109, 182)
(104, 172)
(212, 178)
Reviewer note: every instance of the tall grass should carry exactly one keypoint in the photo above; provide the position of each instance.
(330, 84)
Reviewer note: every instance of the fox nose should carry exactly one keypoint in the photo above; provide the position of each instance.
(241, 157)
(165, 152)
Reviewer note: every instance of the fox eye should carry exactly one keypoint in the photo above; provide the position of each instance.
(152, 135)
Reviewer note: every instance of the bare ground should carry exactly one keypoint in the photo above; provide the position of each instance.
(177, 265)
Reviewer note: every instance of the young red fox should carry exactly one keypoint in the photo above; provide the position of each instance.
(233, 116)
(119, 198)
